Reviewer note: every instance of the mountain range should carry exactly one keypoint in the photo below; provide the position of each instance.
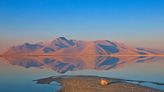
(64, 46)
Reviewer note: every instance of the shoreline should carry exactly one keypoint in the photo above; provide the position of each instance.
(91, 84)
(85, 55)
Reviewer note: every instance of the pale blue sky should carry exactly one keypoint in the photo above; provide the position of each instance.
(135, 22)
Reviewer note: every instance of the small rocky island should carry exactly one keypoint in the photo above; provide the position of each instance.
(96, 84)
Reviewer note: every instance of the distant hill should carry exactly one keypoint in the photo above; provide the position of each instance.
(63, 46)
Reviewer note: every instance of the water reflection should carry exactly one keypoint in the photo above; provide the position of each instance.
(33, 67)
(63, 64)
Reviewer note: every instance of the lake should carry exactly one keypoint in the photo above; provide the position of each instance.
(17, 74)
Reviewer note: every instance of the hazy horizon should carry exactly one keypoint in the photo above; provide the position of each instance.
(138, 23)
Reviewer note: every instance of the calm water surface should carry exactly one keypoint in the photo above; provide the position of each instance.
(17, 73)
